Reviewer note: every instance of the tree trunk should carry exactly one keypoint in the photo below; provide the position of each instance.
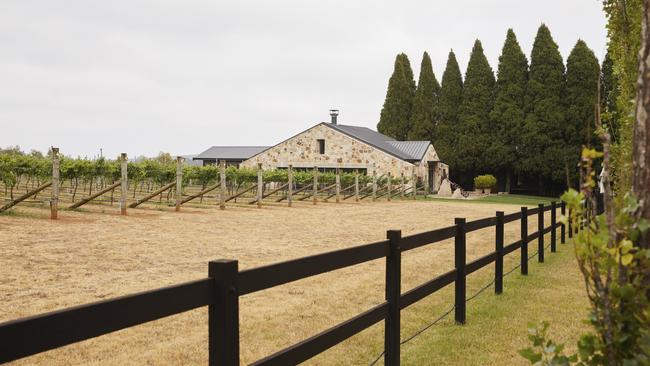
(568, 176)
(641, 137)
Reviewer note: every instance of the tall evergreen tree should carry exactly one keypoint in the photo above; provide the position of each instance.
(473, 116)
(424, 114)
(582, 73)
(446, 131)
(609, 95)
(542, 149)
(396, 112)
(507, 116)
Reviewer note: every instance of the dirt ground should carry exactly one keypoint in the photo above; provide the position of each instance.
(92, 255)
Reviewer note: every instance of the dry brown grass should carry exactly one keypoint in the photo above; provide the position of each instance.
(93, 255)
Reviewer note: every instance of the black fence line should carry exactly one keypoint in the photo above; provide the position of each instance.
(453, 307)
(225, 284)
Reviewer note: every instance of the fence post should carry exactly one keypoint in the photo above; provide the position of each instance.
(356, 185)
(124, 188)
(315, 184)
(414, 183)
(553, 224)
(290, 181)
(540, 230)
(54, 201)
(222, 195)
(223, 314)
(260, 185)
(426, 181)
(498, 263)
(563, 227)
(338, 184)
(524, 241)
(374, 185)
(393, 292)
(401, 178)
(179, 182)
(459, 259)
(389, 185)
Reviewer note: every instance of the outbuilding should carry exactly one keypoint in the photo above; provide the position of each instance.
(330, 146)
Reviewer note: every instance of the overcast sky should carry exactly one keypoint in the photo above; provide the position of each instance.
(179, 76)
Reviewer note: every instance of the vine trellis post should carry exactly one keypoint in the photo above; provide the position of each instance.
(179, 182)
(54, 201)
(124, 187)
(222, 177)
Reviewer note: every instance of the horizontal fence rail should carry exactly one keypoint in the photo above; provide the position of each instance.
(225, 284)
(28, 336)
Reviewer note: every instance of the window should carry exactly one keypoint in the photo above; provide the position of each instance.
(321, 146)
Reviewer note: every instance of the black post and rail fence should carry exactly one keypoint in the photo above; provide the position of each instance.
(225, 283)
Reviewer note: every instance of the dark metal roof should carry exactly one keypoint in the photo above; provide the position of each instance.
(405, 150)
(230, 152)
(415, 149)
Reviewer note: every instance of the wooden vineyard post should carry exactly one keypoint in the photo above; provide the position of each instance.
(356, 185)
(553, 227)
(393, 291)
(260, 185)
(540, 230)
(124, 186)
(524, 241)
(498, 263)
(338, 184)
(290, 187)
(426, 181)
(414, 183)
(223, 192)
(223, 314)
(179, 182)
(563, 227)
(315, 193)
(374, 185)
(389, 185)
(54, 201)
(459, 260)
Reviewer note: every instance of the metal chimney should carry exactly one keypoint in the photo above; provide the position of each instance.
(334, 113)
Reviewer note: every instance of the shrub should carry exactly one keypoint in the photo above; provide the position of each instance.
(485, 181)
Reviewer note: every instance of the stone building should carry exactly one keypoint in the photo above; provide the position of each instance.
(329, 146)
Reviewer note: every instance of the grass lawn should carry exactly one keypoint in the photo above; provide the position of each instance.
(508, 199)
(496, 325)
(517, 199)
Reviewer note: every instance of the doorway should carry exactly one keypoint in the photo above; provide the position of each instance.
(432, 165)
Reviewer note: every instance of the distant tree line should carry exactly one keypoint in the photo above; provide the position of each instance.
(526, 125)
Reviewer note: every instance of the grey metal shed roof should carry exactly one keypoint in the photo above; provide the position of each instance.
(415, 149)
(230, 152)
(405, 150)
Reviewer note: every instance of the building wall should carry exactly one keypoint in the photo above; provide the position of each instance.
(440, 171)
(340, 150)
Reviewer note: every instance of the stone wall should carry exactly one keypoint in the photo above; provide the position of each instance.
(423, 169)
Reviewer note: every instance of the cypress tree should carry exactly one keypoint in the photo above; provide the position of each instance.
(396, 112)
(582, 73)
(542, 148)
(507, 116)
(425, 105)
(609, 95)
(473, 116)
(451, 95)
